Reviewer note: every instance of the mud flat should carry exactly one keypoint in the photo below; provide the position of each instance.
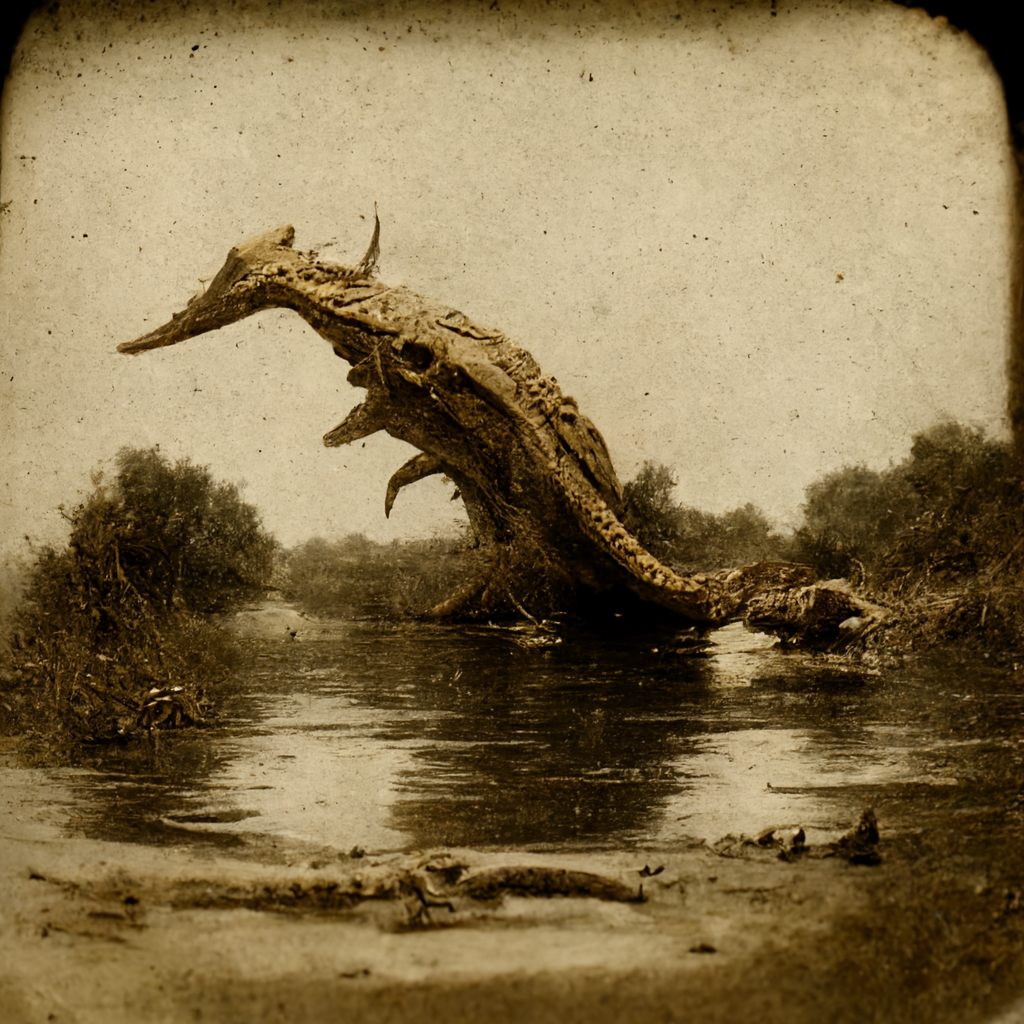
(104, 932)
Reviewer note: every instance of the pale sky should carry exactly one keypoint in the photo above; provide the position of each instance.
(753, 246)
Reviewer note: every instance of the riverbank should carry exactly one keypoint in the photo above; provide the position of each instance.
(273, 926)
(110, 932)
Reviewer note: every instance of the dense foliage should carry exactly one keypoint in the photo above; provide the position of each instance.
(940, 536)
(182, 537)
(688, 538)
(850, 519)
(110, 640)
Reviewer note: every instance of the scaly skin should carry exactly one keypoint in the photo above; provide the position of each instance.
(533, 471)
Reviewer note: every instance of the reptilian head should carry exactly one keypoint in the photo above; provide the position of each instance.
(229, 297)
(241, 288)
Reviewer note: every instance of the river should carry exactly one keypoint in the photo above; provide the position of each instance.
(383, 737)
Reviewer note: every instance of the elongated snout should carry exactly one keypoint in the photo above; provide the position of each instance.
(227, 299)
(201, 315)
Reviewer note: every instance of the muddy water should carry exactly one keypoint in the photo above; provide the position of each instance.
(395, 737)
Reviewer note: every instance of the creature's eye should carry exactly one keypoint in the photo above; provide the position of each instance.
(419, 357)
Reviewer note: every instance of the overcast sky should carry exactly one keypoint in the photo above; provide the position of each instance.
(755, 243)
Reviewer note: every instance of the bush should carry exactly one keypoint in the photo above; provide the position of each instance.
(938, 536)
(111, 642)
(688, 537)
(851, 516)
(183, 536)
(967, 510)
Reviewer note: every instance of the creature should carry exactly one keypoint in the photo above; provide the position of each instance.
(533, 471)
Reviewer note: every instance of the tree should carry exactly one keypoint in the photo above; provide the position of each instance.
(966, 510)
(190, 537)
(690, 537)
(956, 468)
(747, 536)
(651, 512)
(850, 517)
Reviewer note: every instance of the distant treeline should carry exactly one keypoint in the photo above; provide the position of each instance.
(359, 578)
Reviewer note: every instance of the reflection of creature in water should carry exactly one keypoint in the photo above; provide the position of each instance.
(552, 744)
(599, 738)
(403, 736)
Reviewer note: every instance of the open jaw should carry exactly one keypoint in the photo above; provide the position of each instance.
(533, 471)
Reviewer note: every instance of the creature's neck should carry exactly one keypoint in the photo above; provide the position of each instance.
(329, 299)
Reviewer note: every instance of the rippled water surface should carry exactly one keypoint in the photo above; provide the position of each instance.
(404, 736)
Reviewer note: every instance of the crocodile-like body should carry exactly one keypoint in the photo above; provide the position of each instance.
(533, 471)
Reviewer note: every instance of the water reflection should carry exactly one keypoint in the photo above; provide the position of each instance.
(617, 745)
(400, 737)
(568, 745)
(128, 793)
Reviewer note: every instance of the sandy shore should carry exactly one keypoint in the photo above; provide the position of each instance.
(103, 932)
(111, 932)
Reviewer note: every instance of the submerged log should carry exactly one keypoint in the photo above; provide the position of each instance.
(533, 471)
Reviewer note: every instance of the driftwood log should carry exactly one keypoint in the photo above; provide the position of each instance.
(533, 471)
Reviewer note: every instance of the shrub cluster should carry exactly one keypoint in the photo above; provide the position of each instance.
(938, 535)
(112, 641)
(688, 538)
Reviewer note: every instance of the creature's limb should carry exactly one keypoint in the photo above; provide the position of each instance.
(418, 467)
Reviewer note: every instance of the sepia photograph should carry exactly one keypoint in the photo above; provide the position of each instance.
(512, 511)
